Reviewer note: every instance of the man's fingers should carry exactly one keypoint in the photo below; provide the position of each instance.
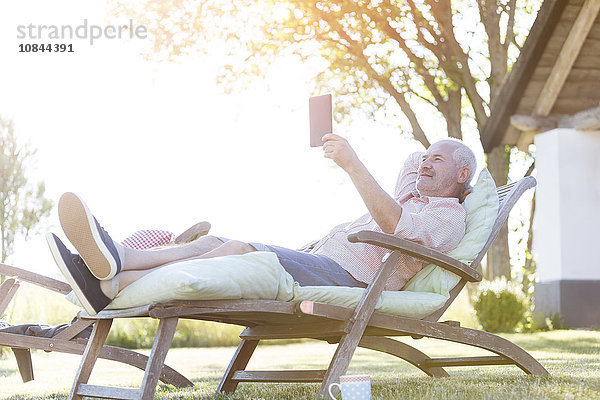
(328, 150)
(329, 146)
(331, 136)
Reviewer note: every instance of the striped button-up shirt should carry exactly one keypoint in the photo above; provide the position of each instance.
(435, 222)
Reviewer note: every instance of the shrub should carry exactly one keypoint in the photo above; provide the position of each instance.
(499, 306)
(549, 322)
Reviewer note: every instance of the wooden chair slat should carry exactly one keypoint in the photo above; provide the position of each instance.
(36, 279)
(467, 361)
(297, 376)
(108, 392)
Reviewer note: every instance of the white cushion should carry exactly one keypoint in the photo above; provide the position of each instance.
(256, 275)
(403, 303)
(482, 209)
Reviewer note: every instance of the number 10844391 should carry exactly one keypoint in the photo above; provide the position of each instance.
(45, 48)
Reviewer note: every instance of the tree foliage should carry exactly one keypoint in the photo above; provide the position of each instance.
(22, 206)
(421, 56)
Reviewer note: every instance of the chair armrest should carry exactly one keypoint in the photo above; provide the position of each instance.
(394, 243)
(36, 279)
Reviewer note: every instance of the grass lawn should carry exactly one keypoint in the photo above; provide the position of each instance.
(571, 357)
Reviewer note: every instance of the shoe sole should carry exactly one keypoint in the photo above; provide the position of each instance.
(194, 232)
(78, 224)
(67, 274)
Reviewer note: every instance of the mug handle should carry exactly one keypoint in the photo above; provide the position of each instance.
(332, 385)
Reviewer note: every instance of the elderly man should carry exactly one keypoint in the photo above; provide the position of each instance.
(425, 209)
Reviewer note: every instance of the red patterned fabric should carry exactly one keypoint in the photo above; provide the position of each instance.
(436, 222)
(354, 378)
(149, 238)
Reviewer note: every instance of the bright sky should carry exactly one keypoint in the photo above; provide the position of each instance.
(158, 146)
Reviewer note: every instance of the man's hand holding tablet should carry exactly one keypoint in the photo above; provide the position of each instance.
(335, 147)
(339, 150)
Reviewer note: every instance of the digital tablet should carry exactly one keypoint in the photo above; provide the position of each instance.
(320, 111)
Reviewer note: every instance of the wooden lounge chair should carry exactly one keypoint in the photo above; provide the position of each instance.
(68, 340)
(266, 319)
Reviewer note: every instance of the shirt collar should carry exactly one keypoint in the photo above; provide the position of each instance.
(416, 194)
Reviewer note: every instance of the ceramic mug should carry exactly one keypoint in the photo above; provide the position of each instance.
(353, 387)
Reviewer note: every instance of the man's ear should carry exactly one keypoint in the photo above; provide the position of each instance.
(463, 175)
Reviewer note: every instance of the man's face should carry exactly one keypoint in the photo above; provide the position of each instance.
(438, 174)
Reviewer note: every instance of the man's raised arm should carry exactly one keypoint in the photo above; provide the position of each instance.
(382, 207)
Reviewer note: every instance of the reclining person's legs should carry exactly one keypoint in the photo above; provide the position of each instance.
(104, 267)
(128, 276)
(114, 266)
(105, 258)
(134, 259)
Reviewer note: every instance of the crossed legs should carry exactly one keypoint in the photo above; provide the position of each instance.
(137, 263)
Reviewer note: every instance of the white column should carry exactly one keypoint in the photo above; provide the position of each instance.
(567, 219)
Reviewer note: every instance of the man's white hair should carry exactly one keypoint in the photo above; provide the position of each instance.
(463, 158)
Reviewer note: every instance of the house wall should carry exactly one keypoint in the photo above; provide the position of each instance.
(567, 226)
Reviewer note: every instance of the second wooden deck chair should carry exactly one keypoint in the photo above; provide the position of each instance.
(69, 340)
(348, 327)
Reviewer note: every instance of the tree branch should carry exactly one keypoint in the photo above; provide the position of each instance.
(467, 80)
(510, 28)
(357, 50)
(419, 62)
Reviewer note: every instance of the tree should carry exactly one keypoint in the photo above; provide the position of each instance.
(22, 207)
(414, 58)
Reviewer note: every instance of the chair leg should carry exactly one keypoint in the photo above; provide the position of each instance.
(90, 355)
(502, 347)
(239, 362)
(154, 365)
(403, 351)
(23, 356)
(168, 375)
(340, 361)
(160, 347)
